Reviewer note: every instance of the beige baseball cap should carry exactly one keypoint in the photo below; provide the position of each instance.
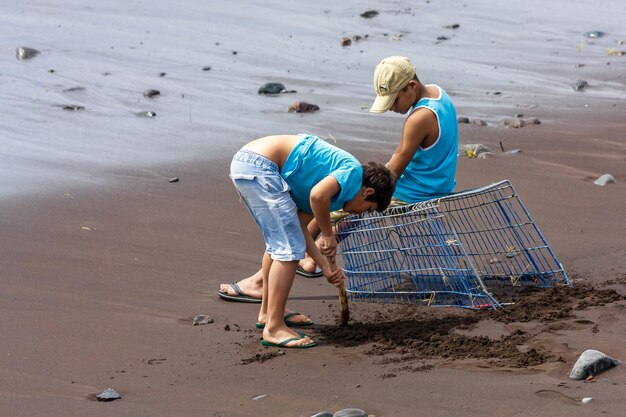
(392, 74)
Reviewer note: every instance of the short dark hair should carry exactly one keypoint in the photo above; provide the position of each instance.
(378, 177)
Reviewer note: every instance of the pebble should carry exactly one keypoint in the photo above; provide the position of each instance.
(463, 120)
(323, 414)
(151, 93)
(605, 179)
(108, 394)
(25, 53)
(453, 26)
(514, 123)
(202, 319)
(474, 150)
(274, 88)
(586, 400)
(346, 41)
(591, 362)
(579, 85)
(146, 114)
(594, 34)
(369, 14)
(73, 107)
(206, 68)
(350, 412)
(302, 107)
(478, 122)
(174, 179)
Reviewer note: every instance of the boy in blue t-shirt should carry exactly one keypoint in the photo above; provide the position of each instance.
(286, 181)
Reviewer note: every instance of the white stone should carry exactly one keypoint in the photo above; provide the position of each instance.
(605, 179)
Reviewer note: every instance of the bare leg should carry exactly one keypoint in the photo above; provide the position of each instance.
(277, 283)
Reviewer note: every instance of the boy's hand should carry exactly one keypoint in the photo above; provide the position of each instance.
(328, 245)
(334, 277)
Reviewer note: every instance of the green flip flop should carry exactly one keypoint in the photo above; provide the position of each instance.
(288, 322)
(283, 344)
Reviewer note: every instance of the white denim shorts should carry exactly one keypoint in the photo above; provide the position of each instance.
(266, 195)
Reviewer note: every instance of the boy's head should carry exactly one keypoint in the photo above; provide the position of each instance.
(375, 194)
(392, 74)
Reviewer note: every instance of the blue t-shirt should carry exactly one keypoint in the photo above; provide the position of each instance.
(312, 160)
(430, 174)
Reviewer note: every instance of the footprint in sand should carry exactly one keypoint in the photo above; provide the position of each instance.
(558, 396)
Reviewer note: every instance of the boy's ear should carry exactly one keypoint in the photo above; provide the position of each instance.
(367, 191)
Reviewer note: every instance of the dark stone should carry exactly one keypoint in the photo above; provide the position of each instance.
(176, 179)
(463, 120)
(146, 114)
(323, 414)
(442, 38)
(206, 68)
(51, 71)
(346, 42)
(73, 107)
(369, 14)
(162, 74)
(272, 88)
(302, 107)
(151, 93)
(453, 26)
(25, 53)
(594, 34)
(579, 85)
(201, 318)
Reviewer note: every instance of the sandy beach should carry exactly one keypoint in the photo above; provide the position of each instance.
(104, 260)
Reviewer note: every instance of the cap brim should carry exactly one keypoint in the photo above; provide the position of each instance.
(383, 103)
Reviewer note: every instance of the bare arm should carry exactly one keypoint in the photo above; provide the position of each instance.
(420, 129)
(334, 277)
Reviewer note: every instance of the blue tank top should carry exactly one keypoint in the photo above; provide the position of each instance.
(430, 174)
(312, 160)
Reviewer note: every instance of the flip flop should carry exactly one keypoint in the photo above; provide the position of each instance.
(240, 296)
(283, 344)
(288, 322)
(317, 273)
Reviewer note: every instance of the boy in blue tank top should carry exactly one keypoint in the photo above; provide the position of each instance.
(424, 161)
(286, 181)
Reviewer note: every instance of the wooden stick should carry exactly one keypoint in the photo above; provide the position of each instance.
(344, 311)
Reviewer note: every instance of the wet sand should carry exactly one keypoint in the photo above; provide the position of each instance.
(104, 262)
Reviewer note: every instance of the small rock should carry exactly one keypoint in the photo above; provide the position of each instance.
(206, 68)
(108, 394)
(478, 122)
(514, 123)
(350, 412)
(442, 38)
(586, 400)
(513, 151)
(463, 120)
(162, 74)
(274, 88)
(533, 121)
(202, 319)
(591, 362)
(605, 179)
(453, 26)
(519, 115)
(323, 414)
(594, 34)
(25, 53)
(146, 114)
(73, 107)
(151, 93)
(51, 71)
(302, 107)
(174, 179)
(473, 150)
(579, 85)
(346, 42)
(369, 14)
